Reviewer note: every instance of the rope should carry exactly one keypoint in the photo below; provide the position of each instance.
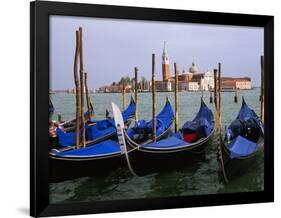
(221, 159)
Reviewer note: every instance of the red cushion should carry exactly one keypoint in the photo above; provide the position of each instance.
(191, 137)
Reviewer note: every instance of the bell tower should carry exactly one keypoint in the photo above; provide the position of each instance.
(165, 64)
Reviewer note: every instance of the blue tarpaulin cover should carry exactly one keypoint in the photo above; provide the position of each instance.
(171, 142)
(202, 123)
(241, 146)
(203, 119)
(94, 132)
(66, 138)
(99, 129)
(163, 121)
(244, 132)
(102, 148)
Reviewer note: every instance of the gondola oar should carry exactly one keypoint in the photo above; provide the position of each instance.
(119, 124)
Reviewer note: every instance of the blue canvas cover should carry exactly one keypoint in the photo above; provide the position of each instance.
(246, 112)
(130, 111)
(202, 123)
(163, 121)
(171, 142)
(244, 132)
(203, 119)
(66, 138)
(241, 147)
(103, 148)
(246, 120)
(101, 128)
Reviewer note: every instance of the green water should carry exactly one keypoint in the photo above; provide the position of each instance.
(202, 177)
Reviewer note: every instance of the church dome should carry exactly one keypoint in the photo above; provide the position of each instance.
(193, 68)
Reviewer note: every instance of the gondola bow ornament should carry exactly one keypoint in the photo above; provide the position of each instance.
(119, 124)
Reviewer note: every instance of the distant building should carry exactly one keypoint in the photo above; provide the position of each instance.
(207, 82)
(165, 65)
(193, 86)
(198, 80)
(164, 86)
(230, 83)
(191, 80)
(111, 88)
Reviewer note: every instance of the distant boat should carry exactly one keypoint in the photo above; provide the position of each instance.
(244, 140)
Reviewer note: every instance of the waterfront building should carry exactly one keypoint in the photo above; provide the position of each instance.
(191, 80)
(193, 86)
(230, 83)
(207, 82)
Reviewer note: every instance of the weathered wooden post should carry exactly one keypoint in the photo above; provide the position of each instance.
(219, 126)
(176, 97)
(215, 88)
(77, 88)
(107, 114)
(88, 98)
(235, 96)
(219, 95)
(59, 118)
(124, 94)
(82, 89)
(136, 92)
(262, 90)
(201, 87)
(153, 99)
(211, 97)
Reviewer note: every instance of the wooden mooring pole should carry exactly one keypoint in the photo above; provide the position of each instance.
(153, 99)
(124, 95)
(235, 96)
(82, 89)
(202, 93)
(88, 98)
(176, 97)
(77, 88)
(262, 90)
(215, 88)
(211, 97)
(219, 124)
(219, 95)
(136, 92)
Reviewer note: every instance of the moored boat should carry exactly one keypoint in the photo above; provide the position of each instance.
(96, 130)
(178, 150)
(97, 158)
(100, 156)
(141, 132)
(243, 142)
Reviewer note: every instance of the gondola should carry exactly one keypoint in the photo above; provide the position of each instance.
(243, 142)
(96, 130)
(141, 132)
(176, 151)
(94, 160)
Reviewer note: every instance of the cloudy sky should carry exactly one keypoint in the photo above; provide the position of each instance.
(112, 48)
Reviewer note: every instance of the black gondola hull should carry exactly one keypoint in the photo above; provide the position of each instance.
(146, 161)
(235, 167)
(67, 169)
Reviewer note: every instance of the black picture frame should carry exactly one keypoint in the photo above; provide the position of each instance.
(39, 96)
